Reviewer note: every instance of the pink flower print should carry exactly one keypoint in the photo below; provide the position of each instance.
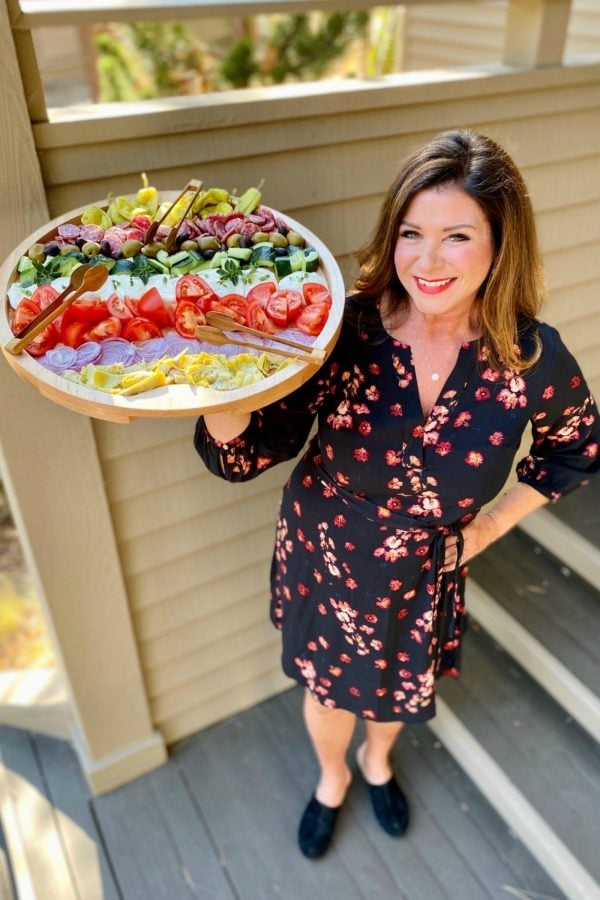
(462, 420)
(482, 393)
(336, 671)
(383, 602)
(323, 642)
(403, 656)
(361, 454)
(317, 576)
(591, 451)
(383, 512)
(410, 595)
(404, 377)
(302, 589)
(372, 393)
(341, 417)
(393, 503)
(395, 584)
(309, 546)
(300, 535)
(473, 458)
(575, 381)
(377, 645)
(364, 428)
(496, 438)
(394, 484)
(354, 691)
(328, 451)
(368, 714)
(351, 584)
(366, 629)
(393, 549)
(431, 437)
(396, 409)
(465, 502)
(483, 354)
(405, 673)
(422, 551)
(325, 682)
(339, 520)
(371, 618)
(374, 369)
(311, 645)
(341, 478)
(548, 393)
(345, 658)
(380, 664)
(381, 692)
(491, 375)
(418, 431)
(328, 491)
(393, 457)
(443, 448)
(361, 409)
(401, 614)
(297, 508)
(349, 546)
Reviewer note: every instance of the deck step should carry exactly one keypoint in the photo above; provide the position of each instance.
(550, 763)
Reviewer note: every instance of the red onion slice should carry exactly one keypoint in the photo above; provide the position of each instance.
(59, 358)
(116, 350)
(87, 353)
(150, 350)
(176, 344)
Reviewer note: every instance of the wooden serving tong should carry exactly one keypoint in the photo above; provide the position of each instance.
(192, 185)
(211, 335)
(84, 278)
(226, 323)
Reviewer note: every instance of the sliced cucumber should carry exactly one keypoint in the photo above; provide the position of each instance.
(298, 261)
(156, 264)
(163, 257)
(312, 259)
(177, 259)
(24, 264)
(283, 266)
(241, 253)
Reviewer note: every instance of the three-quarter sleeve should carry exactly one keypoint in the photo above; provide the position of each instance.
(566, 427)
(276, 433)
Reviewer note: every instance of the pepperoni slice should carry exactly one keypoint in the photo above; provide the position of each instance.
(69, 231)
(91, 233)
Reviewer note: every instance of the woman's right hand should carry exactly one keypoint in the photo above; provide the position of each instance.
(225, 427)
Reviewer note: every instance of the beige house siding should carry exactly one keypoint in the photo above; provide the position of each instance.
(195, 551)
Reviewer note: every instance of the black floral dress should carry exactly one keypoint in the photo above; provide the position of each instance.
(369, 621)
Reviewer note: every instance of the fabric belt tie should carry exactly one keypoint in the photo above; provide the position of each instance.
(445, 601)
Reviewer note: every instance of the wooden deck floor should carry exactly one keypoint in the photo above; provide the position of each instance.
(219, 821)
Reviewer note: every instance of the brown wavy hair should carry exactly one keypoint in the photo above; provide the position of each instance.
(511, 296)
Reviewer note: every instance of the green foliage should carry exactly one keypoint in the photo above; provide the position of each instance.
(240, 66)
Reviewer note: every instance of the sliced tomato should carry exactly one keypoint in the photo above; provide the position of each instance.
(142, 222)
(277, 309)
(234, 305)
(89, 309)
(258, 318)
(295, 304)
(44, 295)
(25, 312)
(108, 328)
(73, 334)
(314, 292)
(152, 306)
(261, 292)
(192, 287)
(139, 329)
(43, 342)
(131, 304)
(118, 307)
(187, 318)
(312, 318)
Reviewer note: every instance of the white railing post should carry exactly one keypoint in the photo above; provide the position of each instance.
(536, 31)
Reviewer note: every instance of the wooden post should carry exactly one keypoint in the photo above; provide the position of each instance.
(54, 483)
(536, 32)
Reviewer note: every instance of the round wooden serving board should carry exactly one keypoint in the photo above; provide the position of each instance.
(175, 399)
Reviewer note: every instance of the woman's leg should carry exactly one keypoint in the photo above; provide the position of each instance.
(374, 755)
(330, 731)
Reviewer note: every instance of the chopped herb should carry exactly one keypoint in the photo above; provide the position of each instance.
(228, 271)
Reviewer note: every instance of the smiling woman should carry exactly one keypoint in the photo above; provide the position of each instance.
(421, 408)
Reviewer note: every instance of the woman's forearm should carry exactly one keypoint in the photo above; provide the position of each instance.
(514, 505)
(225, 427)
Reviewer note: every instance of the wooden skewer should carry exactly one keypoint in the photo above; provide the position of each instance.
(172, 235)
(226, 323)
(212, 335)
(191, 186)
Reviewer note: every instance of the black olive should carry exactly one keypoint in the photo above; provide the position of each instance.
(181, 237)
(283, 231)
(116, 255)
(207, 254)
(224, 247)
(105, 248)
(80, 242)
(51, 249)
(281, 251)
(245, 242)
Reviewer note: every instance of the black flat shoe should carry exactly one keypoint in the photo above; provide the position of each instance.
(316, 828)
(390, 806)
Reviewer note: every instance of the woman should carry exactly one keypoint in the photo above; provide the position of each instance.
(440, 367)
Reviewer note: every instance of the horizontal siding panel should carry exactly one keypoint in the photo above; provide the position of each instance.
(580, 301)
(151, 469)
(261, 657)
(115, 440)
(164, 619)
(567, 227)
(205, 630)
(482, 15)
(244, 689)
(582, 335)
(577, 265)
(589, 360)
(186, 573)
(224, 526)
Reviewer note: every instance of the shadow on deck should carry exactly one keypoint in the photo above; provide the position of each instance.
(219, 821)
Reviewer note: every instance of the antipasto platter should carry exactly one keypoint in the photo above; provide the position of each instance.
(209, 302)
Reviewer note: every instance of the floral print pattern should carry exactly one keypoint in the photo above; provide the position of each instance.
(369, 621)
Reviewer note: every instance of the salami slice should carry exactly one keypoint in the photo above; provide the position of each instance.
(91, 233)
(69, 231)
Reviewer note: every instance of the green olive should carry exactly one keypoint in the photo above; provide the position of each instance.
(295, 239)
(130, 248)
(189, 245)
(234, 240)
(260, 237)
(206, 242)
(152, 249)
(36, 253)
(91, 248)
(278, 240)
(67, 249)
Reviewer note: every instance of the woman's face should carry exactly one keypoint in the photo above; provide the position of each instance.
(444, 251)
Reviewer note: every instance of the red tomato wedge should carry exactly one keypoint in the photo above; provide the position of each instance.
(118, 307)
(88, 309)
(187, 318)
(152, 306)
(314, 292)
(139, 329)
(73, 334)
(277, 309)
(312, 318)
(44, 341)
(258, 318)
(44, 295)
(233, 305)
(108, 328)
(192, 287)
(25, 313)
(261, 292)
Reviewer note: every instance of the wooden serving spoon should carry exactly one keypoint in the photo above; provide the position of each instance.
(226, 323)
(211, 335)
(84, 278)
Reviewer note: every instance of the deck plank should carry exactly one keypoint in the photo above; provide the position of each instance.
(580, 510)
(70, 796)
(547, 756)
(560, 610)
